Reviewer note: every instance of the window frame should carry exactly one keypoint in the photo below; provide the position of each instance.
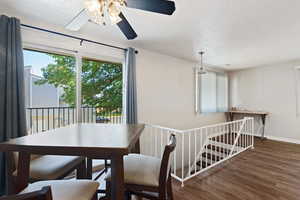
(79, 56)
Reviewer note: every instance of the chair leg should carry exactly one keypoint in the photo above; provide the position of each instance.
(95, 197)
(108, 190)
(162, 197)
(138, 198)
(127, 195)
(169, 188)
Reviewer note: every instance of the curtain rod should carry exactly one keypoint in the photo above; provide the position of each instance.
(74, 37)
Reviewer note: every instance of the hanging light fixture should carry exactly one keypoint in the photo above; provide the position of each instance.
(102, 10)
(201, 68)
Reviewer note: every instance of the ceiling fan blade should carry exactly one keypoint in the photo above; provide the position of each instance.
(158, 6)
(126, 28)
(78, 21)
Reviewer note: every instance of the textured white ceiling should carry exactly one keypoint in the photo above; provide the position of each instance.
(242, 33)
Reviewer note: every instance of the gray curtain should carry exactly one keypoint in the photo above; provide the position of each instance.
(12, 109)
(131, 96)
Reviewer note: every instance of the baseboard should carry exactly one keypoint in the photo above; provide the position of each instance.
(282, 139)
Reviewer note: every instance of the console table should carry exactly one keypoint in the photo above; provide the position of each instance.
(230, 116)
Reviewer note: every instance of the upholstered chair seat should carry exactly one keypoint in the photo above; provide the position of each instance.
(50, 167)
(140, 170)
(67, 189)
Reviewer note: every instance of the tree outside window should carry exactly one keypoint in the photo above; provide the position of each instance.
(101, 81)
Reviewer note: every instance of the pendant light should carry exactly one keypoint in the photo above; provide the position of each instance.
(201, 68)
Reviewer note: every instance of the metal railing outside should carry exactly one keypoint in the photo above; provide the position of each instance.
(41, 119)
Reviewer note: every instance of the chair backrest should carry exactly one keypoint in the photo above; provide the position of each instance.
(43, 194)
(165, 162)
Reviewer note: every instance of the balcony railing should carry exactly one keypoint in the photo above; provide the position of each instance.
(47, 118)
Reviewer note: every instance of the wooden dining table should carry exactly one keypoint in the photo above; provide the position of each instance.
(94, 141)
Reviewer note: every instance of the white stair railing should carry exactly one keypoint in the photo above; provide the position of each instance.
(201, 148)
(237, 138)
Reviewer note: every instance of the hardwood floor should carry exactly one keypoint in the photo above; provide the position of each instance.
(270, 171)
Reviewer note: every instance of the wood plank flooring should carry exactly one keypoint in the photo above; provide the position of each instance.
(270, 171)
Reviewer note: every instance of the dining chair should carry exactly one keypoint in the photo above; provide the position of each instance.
(43, 194)
(50, 167)
(146, 176)
(58, 190)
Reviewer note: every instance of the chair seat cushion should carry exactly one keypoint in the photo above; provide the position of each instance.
(140, 170)
(67, 189)
(51, 167)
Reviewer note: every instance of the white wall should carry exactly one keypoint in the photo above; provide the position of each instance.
(166, 92)
(271, 88)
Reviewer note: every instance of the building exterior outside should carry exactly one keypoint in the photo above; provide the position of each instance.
(43, 109)
(37, 96)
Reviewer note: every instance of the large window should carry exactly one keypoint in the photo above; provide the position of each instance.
(52, 92)
(213, 92)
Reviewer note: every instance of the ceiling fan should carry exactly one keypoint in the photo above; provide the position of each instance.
(105, 11)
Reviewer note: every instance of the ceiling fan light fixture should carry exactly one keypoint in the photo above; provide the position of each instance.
(114, 12)
(115, 19)
(102, 10)
(111, 12)
(92, 5)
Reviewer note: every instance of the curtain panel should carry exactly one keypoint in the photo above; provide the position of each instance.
(12, 107)
(131, 91)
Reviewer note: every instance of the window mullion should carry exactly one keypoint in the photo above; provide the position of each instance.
(78, 87)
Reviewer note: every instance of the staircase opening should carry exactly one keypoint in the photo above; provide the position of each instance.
(201, 148)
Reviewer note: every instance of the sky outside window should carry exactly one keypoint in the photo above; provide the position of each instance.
(37, 60)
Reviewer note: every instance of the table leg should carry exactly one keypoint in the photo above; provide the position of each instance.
(136, 149)
(10, 166)
(23, 171)
(229, 116)
(263, 119)
(89, 168)
(81, 170)
(117, 178)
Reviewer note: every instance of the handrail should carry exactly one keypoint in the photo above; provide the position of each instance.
(164, 128)
(215, 125)
(194, 129)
